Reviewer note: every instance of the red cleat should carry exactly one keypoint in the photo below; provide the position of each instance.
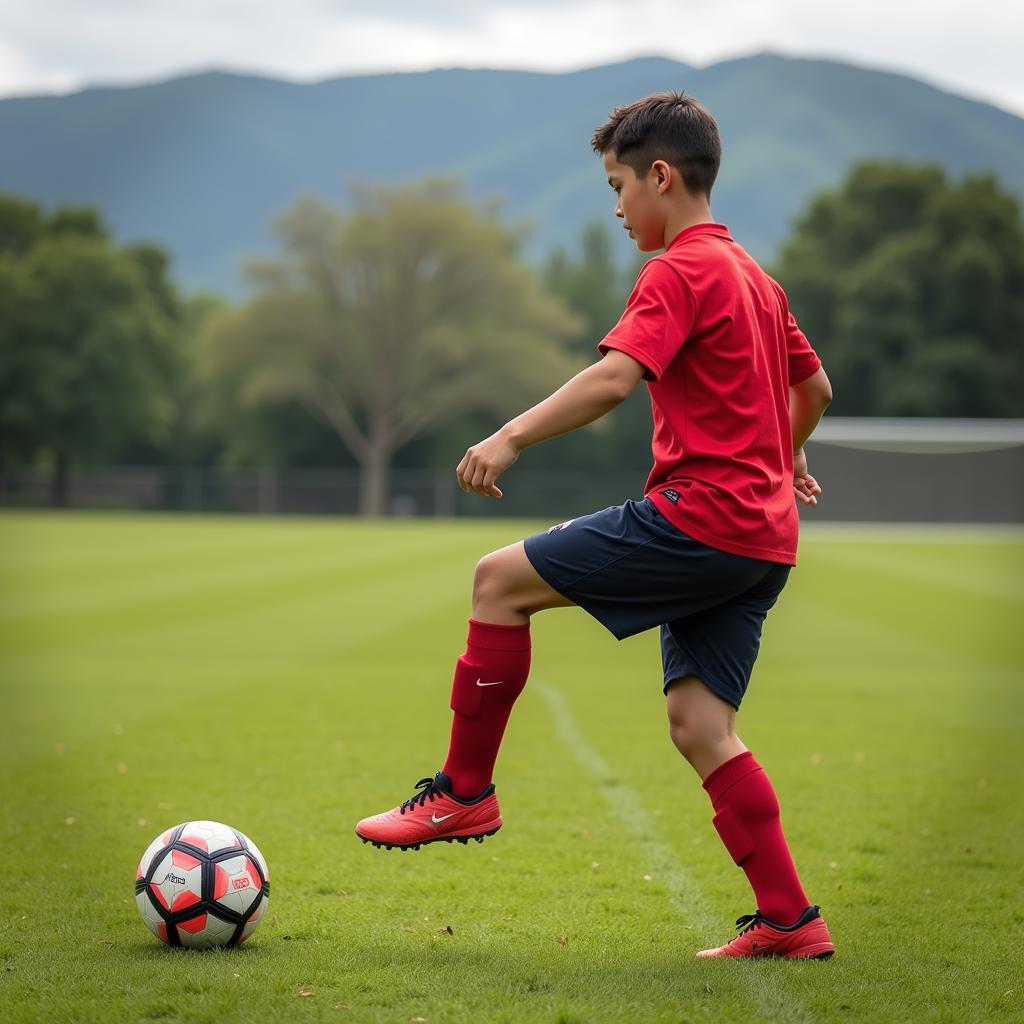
(808, 938)
(432, 815)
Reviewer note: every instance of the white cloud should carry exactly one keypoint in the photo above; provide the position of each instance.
(16, 71)
(60, 44)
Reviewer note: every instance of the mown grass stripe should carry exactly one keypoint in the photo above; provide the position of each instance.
(1000, 582)
(188, 575)
(210, 610)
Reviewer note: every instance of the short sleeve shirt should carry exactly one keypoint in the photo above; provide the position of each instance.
(721, 349)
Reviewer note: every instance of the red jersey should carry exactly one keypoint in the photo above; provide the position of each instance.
(721, 350)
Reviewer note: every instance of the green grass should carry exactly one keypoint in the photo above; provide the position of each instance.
(291, 676)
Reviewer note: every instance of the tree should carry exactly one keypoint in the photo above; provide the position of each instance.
(21, 225)
(86, 341)
(591, 285)
(390, 320)
(912, 290)
(224, 428)
(596, 287)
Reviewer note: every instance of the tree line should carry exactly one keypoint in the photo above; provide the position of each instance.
(404, 328)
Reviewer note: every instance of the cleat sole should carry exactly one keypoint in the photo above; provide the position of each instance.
(819, 951)
(464, 840)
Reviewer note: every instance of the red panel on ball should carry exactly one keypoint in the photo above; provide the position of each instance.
(180, 859)
(254, 875)
(195, 924)
(184, 900)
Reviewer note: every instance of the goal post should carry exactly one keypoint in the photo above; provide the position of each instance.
(918, 470)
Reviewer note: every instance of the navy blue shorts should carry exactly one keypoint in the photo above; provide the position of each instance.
(633, 570)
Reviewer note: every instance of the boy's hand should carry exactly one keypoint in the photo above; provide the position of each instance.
(805, 487)
(485, 462)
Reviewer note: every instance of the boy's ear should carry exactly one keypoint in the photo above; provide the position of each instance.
(662, 171)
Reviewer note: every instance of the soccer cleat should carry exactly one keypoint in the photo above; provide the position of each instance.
(808, 938)
(432, 815)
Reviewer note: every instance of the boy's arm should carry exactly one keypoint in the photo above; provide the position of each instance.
(586, 397)
(808, 400)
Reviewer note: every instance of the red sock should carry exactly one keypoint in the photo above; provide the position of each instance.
(488, 678)
(747, 819)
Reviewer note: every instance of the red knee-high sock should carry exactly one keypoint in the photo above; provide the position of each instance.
(488, 678)
(747, 819)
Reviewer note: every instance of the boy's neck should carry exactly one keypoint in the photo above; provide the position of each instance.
(685, 216)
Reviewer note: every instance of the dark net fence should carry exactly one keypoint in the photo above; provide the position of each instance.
(928, 471)
(871, 471)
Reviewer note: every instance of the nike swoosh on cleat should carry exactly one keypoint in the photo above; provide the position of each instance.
(498, 683)
(444, 817)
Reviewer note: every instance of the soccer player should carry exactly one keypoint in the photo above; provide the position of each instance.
(736, 390)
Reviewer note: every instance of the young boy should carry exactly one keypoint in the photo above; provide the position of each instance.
(735, 392)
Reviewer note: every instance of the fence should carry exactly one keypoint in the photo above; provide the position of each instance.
(871, 470)
(528, 493)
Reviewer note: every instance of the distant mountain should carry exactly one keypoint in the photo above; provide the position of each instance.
(202, 163)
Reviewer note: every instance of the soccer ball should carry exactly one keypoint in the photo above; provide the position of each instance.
(202, 884)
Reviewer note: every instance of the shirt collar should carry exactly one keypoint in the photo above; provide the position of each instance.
(706, 228)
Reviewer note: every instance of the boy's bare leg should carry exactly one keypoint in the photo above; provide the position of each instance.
(702, 726)
(507, 589)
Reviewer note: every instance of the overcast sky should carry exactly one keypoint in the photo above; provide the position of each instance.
(59, 45)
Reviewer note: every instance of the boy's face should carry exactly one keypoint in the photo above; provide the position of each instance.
(639, 202)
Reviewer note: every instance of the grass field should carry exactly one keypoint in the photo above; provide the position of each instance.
(291, 676)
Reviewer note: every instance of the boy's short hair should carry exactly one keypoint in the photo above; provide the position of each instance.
(669, 126)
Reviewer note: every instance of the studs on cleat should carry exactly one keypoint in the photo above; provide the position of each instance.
(464, 840)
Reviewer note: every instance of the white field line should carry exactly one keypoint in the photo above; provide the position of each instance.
(683, 891)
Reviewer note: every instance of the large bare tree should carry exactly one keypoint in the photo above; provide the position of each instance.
(388, 320)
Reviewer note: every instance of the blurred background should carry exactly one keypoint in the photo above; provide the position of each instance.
(297, 262)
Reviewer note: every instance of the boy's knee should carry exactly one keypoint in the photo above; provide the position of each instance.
(694, 734)
(489, 579)
(688, 740)
(506, 583)
(495, 585)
